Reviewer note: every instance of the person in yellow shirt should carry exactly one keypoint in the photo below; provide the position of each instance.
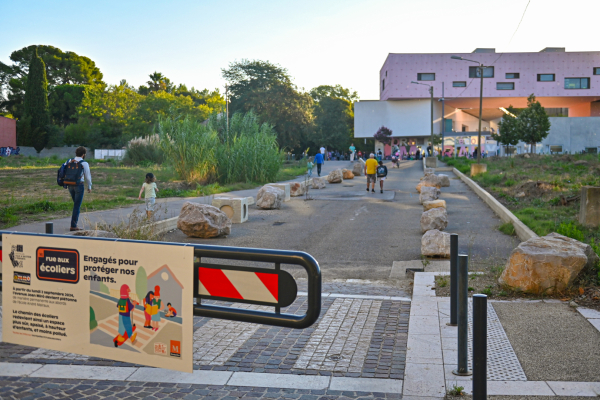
(371, 171)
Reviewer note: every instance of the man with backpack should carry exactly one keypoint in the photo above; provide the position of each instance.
(73, 174)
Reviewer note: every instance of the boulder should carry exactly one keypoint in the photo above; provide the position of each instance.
(203, 221)
(347, 174)
(545, 264)
(592, 257)
(435, 243)
(429, 171)
(444, 180)
(428, 205)
(269, 197)
(429, 180)
(436, 218)
(318, 183)
(358, 169)
(335, 176)
(429, 193)
(94, 233)
(297, 189)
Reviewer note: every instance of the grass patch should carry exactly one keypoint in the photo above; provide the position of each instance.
(507, 229)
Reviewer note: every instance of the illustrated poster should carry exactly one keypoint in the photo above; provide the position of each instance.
(126, 301)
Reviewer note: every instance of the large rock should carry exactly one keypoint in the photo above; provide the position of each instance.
(358, 169)
(545, 264)
(435, 243)
(429, 171)
(436, 218)
(430, 180)
(347, 174)
(297, 189)
(335, 176)
(428, 205)
(318, 183)
(203, 221)
(269, 197)
(592, 257)
(429, 193)
(444, 180)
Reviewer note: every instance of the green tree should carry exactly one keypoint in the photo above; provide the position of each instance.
(508, 134)
(267, 89)
(157, 83)
(36, 113)
(534, 124)
(334, 117)
(141, 283)
(336, 91)
(64, 101)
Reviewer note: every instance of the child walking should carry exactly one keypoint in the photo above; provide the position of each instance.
(381, 174)
(150, 189)
(309, 167)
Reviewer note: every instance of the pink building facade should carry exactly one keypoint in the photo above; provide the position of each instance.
(567, 84)
(8, 132)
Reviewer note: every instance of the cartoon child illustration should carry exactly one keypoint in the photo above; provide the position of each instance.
(148, 309)
(157, 305)
(172, 312)
(125, 307)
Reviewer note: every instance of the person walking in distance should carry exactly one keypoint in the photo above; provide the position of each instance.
(322, 150)
(371, 171)
(149, 189)
(76, 174)
(352, 150)
(319, 162)
(381, 174)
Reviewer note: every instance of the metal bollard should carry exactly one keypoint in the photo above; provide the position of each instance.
(49, 228)
(453, 278)
(479, 347)
(463, 316)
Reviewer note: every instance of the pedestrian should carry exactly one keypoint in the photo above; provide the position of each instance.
(381, 174)
(371, 171)
(309, 167)
(77, 173)
(319, 162)
(360, 154)
(322, 150)
(379, 155)
(429, 150)
(149, 188)
(352, 150)
(418, 154)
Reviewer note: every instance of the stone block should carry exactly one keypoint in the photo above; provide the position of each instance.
(428, 205)
(285, 187)
(477, 169)
(589, 211)
(431, 162)
(236, 208)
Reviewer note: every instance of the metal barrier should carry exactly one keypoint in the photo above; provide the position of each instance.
(279, 288)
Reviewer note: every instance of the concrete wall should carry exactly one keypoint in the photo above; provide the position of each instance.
(8, 132)
(61, 152)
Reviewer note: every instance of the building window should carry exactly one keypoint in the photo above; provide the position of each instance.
(386, 74)
(383, 85)
(545, 77)
(459, 84)
(577, 83)
(512, 75)
(591, 150)
(448, 125)
(505, 86)
(597, 71)
(488, 72)
(556, 149)
(426, 77)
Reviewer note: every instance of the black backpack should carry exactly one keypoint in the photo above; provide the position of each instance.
(70, 173)
(381, 171)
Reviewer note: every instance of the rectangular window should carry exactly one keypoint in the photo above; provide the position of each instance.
(505, 86)
(597, 71)
(383, 85)
(577, 83)
(426, 77)
(556, 149)
(591, 150)
(545, 77)
(459, 84)
(488, 72)
(512, 75)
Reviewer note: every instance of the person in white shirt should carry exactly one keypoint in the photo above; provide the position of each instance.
(322, 150)
(77, 191)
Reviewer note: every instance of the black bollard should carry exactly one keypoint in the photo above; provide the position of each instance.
(479, 347)
(463, 316)
(49, 228)
(453, 278)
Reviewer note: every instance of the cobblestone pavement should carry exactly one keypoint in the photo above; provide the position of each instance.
(37, 388)
(361, 287)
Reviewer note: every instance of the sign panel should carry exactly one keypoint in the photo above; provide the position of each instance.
(126, 301)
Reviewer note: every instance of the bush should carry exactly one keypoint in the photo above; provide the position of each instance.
(144, 151)
(488, 179)
(570, 230)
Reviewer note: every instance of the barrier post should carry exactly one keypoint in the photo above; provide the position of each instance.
(453, 278)
(49, 228)
(479, 347)
(463, 316)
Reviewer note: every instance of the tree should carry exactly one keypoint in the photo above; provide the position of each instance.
(141, 283)
(336, 91)
(267, 89)
(64, 101)
(534, 124)
(334, 117)
(36, 113)
(509, 129)
(384, 135)
(157, 83)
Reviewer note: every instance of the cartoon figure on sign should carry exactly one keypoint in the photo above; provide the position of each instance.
(157, 305)
(172, 313)
(148, 309)
(125, 307)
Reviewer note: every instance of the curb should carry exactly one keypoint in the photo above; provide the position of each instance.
(523, 232)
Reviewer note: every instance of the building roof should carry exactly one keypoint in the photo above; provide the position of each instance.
(152, 275)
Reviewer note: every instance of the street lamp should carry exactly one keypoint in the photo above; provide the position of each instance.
(430, 92)
(480, 69)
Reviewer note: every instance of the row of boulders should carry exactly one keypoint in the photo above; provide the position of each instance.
(434, 219)
(336, 176)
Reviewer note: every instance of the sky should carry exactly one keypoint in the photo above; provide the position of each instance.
(320, 42)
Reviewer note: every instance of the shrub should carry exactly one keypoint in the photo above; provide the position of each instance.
(488, 179)
(144, 151)
(570, 230)
(509, 182)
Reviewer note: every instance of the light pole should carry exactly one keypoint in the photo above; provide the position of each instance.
(430, 92)
(480, 69)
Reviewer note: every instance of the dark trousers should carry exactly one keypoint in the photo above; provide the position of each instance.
(77, 192)
(319, 169)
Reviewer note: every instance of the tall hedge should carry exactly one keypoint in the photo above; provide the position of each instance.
(36, 116)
